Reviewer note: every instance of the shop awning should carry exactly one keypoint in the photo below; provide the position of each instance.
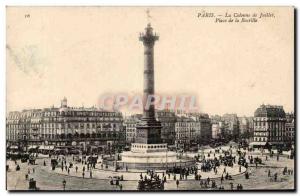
(46, 147)
(32, 147)
(257, 143)
(13, 147)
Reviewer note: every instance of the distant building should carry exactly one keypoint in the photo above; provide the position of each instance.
(183, 129)
(290, 128)
(215, 118)
(231, 124)
(243, 125)
(130, 127)
(251, 126)
(269, 125)
(216, 130)
(192, 129)
(205, 127)
(168, 120)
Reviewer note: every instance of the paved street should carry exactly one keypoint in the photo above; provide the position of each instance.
(52, 180)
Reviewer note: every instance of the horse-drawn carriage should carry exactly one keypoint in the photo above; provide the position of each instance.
(150, 185)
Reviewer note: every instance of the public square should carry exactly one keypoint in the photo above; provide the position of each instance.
(101, 176)
(199, 128)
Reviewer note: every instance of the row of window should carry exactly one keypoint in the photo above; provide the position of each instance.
(150, 146)
(57, 125)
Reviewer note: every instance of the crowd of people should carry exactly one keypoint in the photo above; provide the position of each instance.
(211, 162)
(151, 181)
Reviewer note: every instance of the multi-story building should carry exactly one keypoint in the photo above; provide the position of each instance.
(216, 130)
(290, 128)
(251, 126)
(269, 125)
(205, 133)
(215, 118)
(130, 123)
(168, 120)
(192, 129)
(65, 126)
(183, 129)
(243, 125)
(231, 124)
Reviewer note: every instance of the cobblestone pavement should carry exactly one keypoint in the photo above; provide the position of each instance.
(52, 180)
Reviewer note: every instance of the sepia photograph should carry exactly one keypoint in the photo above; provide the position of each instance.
(157, 98)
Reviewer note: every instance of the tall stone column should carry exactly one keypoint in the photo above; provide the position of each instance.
(148, 131)
(148, 40)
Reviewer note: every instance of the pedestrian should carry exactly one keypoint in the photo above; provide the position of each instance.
(64, 184)
(91, 174)
(82, 174)
(68, 171)
(275, 177)
(177, 183)
(33, 170)
(76, 168)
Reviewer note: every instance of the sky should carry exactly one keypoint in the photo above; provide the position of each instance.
(84, 52)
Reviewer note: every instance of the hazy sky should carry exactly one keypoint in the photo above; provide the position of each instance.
(83, 52)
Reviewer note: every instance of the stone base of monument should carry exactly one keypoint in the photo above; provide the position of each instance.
(152, 156)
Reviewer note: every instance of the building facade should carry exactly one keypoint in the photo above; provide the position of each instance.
(192, 129)
(231, 124)
(269, 125)
(65, 126)
(290, 128)
(216, 130)
(130, 123)
(168, 120)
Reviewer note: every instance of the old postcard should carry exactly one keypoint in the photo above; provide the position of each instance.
(150, 98)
